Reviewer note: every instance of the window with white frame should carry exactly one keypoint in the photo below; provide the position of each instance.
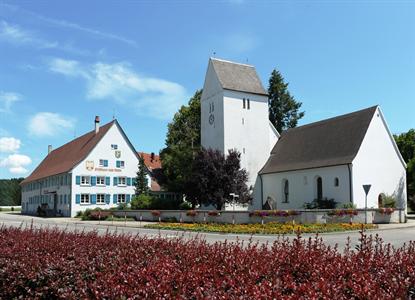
(85, 180)
(100, 180)
(84, 198)
(114, 147)
(122, 181)
(100, 198)
(102, 162)
(121, 198)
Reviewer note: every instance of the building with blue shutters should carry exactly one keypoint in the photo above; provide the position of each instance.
(97, 169)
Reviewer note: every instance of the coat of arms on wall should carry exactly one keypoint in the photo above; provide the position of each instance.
(118, 154)
(89, 165)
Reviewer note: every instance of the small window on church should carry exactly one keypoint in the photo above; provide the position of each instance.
(285, 190)
(249, 106)
(244, 103)
(336, 181)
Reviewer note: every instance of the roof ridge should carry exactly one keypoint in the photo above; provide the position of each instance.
(232, 62)
(320, 122)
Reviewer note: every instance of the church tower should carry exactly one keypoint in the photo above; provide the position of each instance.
(234, 115)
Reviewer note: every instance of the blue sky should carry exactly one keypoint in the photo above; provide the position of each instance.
(62, 63)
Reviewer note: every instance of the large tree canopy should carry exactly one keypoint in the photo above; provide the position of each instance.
(182, 143)
(283, 108)
(10, 191)
(406, 145)
(215, 177)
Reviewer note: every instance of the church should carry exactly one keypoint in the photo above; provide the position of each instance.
(329, 159)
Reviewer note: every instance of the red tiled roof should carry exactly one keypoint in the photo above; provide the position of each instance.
(153, 164)
(64, 158)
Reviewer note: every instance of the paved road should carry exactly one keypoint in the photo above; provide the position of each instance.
(396, 234)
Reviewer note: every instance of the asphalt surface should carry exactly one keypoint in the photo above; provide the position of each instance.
(395, 234)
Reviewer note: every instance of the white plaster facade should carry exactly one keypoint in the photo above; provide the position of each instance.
(227, 123)
(378, 162)
(68, 187)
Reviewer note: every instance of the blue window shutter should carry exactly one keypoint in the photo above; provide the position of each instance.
(78, 199)
(93, 180)
(107, 198)
(115, 180)
(93, 199)
(114, 198)
(128, 180)
(105, 163)
(127, 198)
(78, 180)
(118, 164)
(107, 180)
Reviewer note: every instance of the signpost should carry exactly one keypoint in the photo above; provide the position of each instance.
(366, 187)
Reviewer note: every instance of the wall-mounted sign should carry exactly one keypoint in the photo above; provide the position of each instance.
(89, 165)
(117, 153)
(107, 170)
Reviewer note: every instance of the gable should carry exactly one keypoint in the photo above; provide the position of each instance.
(330, 142)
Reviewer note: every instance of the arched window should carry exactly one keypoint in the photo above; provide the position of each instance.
(319, 183)
(285, 190)
(336, 181)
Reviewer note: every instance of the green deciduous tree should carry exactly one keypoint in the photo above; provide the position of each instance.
(215, 177)
(283, 108)
(406, 145)
(182, 142)
(10, 191)
(141, 181)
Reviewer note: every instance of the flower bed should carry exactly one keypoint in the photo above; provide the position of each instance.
(50, 264)
(343, 212)
(268, 228)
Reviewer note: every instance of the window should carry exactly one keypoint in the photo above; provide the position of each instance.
(121, 198)
(114, 147)
(85, 180)
(286, 190)
(244, 103)
(100, 180)
(249, 104)
(319, 183)
(100, 198)
(121, 181)
(120, 164)
(84, 198)
(336, 181)
(102, 162)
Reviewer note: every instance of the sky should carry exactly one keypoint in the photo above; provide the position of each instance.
(64, 62)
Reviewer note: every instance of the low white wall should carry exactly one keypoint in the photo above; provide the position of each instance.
(243, 217)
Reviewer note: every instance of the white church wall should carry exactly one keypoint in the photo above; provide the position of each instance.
(212, 104)
(273, 136)
(303, 187)
(378, 163)
(103, 151)
(247, 130)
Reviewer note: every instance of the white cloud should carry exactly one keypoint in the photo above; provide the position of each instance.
(7, 99)
(9, 144)
(147, 95)
(16, 163)
(49, 124)
(69, 25)
(16, 35)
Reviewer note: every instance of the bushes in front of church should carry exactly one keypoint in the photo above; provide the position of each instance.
(321, 204)
(53, 264)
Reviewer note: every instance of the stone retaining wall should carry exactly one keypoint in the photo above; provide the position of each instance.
(243, 217)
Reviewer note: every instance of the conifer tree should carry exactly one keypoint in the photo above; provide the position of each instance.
(141, 182)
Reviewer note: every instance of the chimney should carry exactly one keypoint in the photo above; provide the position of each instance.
(49, 149)
(152, 156)
(96, 124)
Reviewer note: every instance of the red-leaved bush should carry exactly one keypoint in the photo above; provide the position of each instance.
(50, 264)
